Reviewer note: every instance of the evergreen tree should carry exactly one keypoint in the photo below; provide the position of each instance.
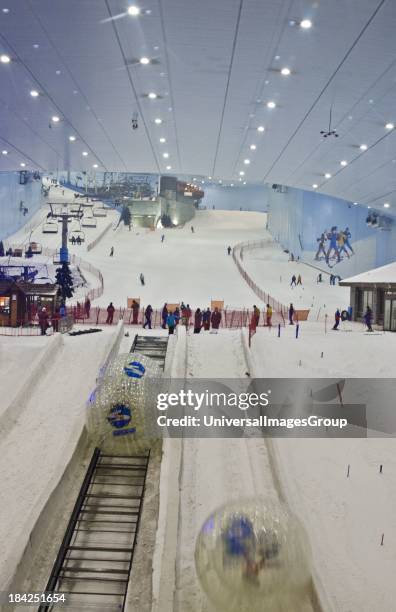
(1, 249)
(65, 281)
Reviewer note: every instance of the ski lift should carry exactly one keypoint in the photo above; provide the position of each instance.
(99, 212)
(51, 227)
(77, 236)
(89, 222)
(34, 247)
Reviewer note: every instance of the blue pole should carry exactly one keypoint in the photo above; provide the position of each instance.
(278, 330)
(297, 328)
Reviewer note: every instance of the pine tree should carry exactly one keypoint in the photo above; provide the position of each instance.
(65, 281)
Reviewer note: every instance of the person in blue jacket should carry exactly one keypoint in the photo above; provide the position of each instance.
(171, 322)
(368, 318)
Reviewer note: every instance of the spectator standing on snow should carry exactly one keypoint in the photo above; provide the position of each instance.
(291, 314)
(188, 315)
(171, 322)
(147, 315)
(299, 280)
(337, 318)
(229, 250)
(215, 318)
(192, 229)
(319, 278)
(268, 315)
(197, 321)
(206, 319)
(110, 313)
(162, 237)
(62, 310)
(55, 320)
(111, 251)
(177, 315)
(256, 315)
(368, 318)
(135, 312)
(164, 315)
(87, 307)
(43, 320)
(141, 277)
(293, 280)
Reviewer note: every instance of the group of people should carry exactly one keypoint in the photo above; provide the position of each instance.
(296, 280)
(75, 240)
(333, 243)
(203, 319)
(346, 315)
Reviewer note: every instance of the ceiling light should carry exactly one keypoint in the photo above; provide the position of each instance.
(158, 121)
(203, 182)
(328, 175)
(260, 128)
(246, 162)
(368, 206)
(232, 185)
(210, 178)
(363, 147)
(4, 152)
(169, 167)
(94, 165)
(162, 140)
(165, 155)
(6, 10)
(85, 153)
(386, 205)
(344, 162)
(55, 119)
(34, 93)
(23, 164)
(5, 59)
(314, 186)
(134, 11)
(306, 24)
(72, 138)
(36, 46)
(271, 104)
(285, 71)
(152, 95)
(389, 126)
(144, 61)
(58, 72)
(244, 182)
(355, 203)
(253, 147)
(220, 181)
(241, 173)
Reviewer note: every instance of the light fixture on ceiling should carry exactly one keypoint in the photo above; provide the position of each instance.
(253, 147)
(145, 61)
(363, 147)
(368, 206)
(162, 140)
(328, 175)
(5, 10)
(55, 119)
(85, 153)
(232, 185)
(34, 93)
(343, 162)
(246, 161)
(244, 182)
(36, 46)
(133, 10)
(240, 180)
(286, 71)
(386, 205)
(95, 166)
(158, 121)
(209, 178)
(260, 128)
(169, 167)
(165, 155)
(390, 126)
(152, 95)
(242, 173)
(72, 138)
(314, 186)
(203, 182)
(5, 59)
(271, 104)
(329, 131)
(305, 24)
(355, 203)
(4, 152)
(220, 181)
(23, 165)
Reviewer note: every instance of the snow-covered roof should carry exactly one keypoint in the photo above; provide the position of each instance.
(385, 275)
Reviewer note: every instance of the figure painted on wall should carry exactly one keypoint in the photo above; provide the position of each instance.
(333, 248)
(321, 245)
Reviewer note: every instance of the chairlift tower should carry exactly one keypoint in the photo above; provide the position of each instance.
(65, 216)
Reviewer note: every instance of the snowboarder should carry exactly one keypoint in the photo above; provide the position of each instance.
(293, 281)
(141, 277)
(135, 312)
(87, 307)
(147, 315)
(229, 250)
(337, 318)
(368, 318)
(43, 320)
(299, 280)
(110, 313)
(111, 251)
(215, 318)
(268, 315)
(197, 321)
(291, 314)
(164, 315)
(171, 322)
(206, 319)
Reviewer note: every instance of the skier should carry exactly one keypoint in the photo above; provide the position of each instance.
(43, 320)
(229, 250)
(291, 314)
(293, 280)
(197, 321)
(321, 249)
(141, 277)
(332, 279)
(256, 315)
(110, 313)
(171, 322)
(111, 251)
(162, 237)
(319, 278)
(268, 315)
(147, 315)
(164, 315)
(192, 229)
(215, 318)
(206, 319)
(87, 307)
(135, 312)
(299, 280)
(337, 318)
(368, 318)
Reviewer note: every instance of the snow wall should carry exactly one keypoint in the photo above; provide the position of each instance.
(11, 195)
(297, 219)
(249, 197)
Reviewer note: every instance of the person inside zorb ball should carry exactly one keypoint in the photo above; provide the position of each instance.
(121, 408)
(253, 556)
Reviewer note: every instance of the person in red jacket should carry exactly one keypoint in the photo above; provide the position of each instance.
(110, 313)
(43, 320)
(135, 312)
(197, 321)
(215, 318)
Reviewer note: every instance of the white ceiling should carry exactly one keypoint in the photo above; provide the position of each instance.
(215, 70)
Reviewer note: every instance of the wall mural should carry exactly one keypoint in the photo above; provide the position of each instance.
(334, 245)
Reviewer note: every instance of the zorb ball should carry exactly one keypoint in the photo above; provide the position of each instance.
(122, 408)
(253, 556)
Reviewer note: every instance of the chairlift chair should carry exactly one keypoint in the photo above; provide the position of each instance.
(51, 227)
(89, 222)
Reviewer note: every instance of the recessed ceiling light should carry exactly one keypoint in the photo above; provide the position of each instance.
(4, 152)
(162, 140)
(328, 175)
(72, 138)
(158, 121)
(165, 155)
(152, 95)
(386, 205)
(285, 71)
(253, 147)
(246, 161)
(271, 104)
(169, 167)
(241, 173)
(34, 93)
(23, 164)
(260, 128)
(344, 162)
(55, 119)
(277, 57)
(36, 46)
(133, 10)
(390, 126)
(363, 147)
(203, 182)
(58, 72)
(6, 10)
(144, 61)
(209, 178)
(85, 153)
(306, 24)
(94, 165)
(5, 59)
(220, 181)
(314, 186)
(368, 206)
(244, 182)
(232, 185)
(355, 203)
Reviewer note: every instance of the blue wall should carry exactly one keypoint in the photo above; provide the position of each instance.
(234, 198)
(11, 194)
(297, 218)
